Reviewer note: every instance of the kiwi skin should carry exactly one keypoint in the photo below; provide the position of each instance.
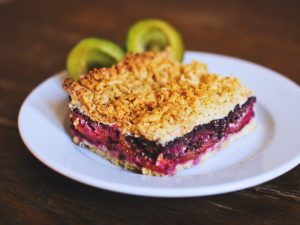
(154, 34)
(92, 53)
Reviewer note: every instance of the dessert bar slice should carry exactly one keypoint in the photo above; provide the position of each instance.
(154, 115)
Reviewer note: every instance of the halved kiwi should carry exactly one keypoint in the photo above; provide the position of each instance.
(154, 34)
(92, 53)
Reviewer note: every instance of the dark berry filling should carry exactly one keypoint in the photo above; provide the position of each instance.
(154, 156)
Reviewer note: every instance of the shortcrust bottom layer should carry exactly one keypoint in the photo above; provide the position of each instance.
(103, 151)
(152, 158)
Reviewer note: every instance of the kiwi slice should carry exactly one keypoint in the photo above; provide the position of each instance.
(92, 53)
(154, 34)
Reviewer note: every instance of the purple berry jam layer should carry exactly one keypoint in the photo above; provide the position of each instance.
(141, 155)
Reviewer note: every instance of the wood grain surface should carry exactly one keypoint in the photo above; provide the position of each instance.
(35, 38)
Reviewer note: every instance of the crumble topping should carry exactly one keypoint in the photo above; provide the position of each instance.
(153, 96)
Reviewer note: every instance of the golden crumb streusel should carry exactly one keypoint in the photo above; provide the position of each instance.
(153, 96)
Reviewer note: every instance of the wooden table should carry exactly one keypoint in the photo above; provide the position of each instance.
(35, 38)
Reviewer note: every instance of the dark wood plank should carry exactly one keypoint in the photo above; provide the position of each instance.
(37, 35)
(30, 193)
(34, 41)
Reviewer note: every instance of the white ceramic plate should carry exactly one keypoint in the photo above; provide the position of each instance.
(271, 150)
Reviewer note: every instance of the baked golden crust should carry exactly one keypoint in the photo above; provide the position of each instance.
(153, 96)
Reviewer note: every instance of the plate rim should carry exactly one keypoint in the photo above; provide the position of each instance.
(157, 191)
